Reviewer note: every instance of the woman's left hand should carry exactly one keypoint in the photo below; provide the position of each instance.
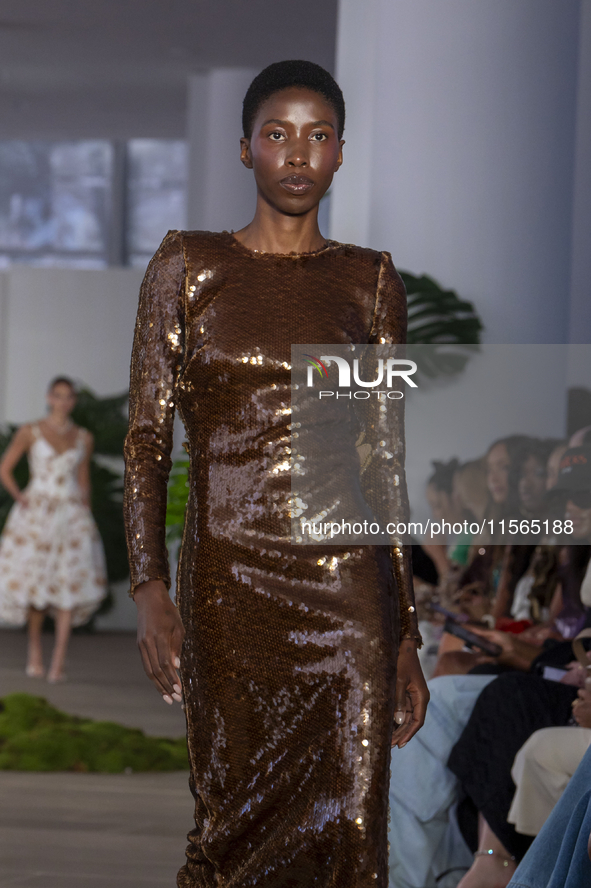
(412, 694)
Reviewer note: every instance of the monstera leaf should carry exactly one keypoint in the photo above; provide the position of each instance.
(105, 418)
(21, 473)
(439, 318)
(178, 493)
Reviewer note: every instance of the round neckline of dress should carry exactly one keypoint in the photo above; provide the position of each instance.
(330, 244)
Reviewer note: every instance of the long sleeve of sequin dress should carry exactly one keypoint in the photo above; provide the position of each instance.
(289, 658)
(386, 480)
(156, 362)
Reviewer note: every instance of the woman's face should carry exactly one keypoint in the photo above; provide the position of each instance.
(440, 503)
(554, 465)
(61, 399)
(294, 150)
(532, 484)
(497, 472)
(581, 519)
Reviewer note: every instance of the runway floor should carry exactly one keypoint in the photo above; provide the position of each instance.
(65, 830)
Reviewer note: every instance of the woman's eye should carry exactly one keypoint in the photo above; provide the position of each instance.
(319, 137)
(275, 137)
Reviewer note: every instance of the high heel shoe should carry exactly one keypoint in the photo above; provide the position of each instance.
(35, 672)
(56, 679)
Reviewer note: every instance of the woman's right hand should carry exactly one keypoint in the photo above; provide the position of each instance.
(160, 634)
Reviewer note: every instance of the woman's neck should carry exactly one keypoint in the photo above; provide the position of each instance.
(59, 423)
(274, 232)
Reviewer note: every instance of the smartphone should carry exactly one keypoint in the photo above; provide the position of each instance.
(471, 639)
(458, 618)
(553, 674)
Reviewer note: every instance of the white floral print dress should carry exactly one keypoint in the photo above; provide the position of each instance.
(51, 554)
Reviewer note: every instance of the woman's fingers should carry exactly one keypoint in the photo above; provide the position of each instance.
(400, 731)
(168, 674)
(157, 660)
(148, 660)
(160, 638)
(400, 706)
(415, 718)
(153, 669)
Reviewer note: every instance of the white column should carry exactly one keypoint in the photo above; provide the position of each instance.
(580, 302)
(222, 192)
(3, 341)
(459, 149)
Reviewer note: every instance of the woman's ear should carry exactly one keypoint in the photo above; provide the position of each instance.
(245, 155)
(340, 157)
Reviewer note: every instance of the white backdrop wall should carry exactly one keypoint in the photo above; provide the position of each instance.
(222, 192)
(460, 148)
(63, 321)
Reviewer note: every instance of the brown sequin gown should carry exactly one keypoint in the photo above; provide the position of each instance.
(289, 659)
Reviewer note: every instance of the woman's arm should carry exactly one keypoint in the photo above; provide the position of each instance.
(19, 445)
(156, 364)
(387, 492)
(84, 469)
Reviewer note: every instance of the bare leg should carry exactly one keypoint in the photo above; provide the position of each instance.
(63, 625)
(490, 870)
(35, 651)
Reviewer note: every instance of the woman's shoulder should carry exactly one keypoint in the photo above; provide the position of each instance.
(26, 434)
(198, 244)
(83, 435)
(378, 264)
(29, 429)
(364, 255)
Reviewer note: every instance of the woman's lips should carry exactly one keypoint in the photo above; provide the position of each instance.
(297, 184)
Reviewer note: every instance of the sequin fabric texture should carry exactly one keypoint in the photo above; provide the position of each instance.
(288, 665)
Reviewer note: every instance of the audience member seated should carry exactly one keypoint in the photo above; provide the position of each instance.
(560, 855)
(424, 822)
(506, 714)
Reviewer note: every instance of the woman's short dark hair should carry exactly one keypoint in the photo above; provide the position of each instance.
(61, 380)
(283, 75)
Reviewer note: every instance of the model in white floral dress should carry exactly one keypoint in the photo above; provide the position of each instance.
(51, 555)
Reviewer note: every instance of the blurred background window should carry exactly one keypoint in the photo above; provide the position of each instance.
(156, 176)
(89, 204)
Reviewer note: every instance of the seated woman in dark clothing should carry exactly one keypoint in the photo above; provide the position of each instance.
(506, 714)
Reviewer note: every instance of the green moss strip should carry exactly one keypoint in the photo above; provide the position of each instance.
(35, 736)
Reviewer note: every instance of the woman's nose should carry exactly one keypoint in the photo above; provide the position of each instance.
(298, 157)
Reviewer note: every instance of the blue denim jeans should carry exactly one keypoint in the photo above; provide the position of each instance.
(425, 840)
(558, 858)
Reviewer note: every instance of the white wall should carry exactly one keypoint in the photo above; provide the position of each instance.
(222, 192)
(460, 145)
(63, 321)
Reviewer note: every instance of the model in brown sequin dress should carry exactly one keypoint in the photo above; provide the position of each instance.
(289, 658)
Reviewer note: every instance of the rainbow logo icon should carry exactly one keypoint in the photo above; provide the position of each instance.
(317, 364)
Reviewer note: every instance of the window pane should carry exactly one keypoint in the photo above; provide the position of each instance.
(156, 194)
(55, 198)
